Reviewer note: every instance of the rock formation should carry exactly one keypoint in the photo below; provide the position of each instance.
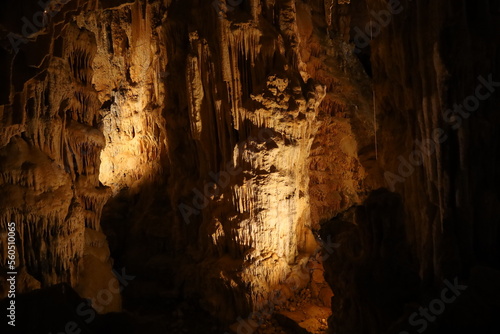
(208, 146)
(435, 102)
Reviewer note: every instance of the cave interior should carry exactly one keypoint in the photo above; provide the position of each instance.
(250, 166)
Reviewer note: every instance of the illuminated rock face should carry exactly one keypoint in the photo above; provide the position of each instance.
(205, 144)
(213, 127)
(221, 136)
(51, 145)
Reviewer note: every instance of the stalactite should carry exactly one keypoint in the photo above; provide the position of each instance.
(244, 89)
(51, 159)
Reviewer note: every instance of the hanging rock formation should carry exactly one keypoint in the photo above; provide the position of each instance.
(435, 98)
(51, 146)
(206, 147)
(206, 124)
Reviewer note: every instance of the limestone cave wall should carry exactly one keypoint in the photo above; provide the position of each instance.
(435, 71)
(212, 147)
(202, 139)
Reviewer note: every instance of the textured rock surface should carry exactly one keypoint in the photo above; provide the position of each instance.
(203, 145)
(50, 157)
(150, 104)
(424, 61)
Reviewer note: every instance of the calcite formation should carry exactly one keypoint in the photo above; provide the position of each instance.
(51, 146)
(435, 140)
(206, 141)
(212, 147)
